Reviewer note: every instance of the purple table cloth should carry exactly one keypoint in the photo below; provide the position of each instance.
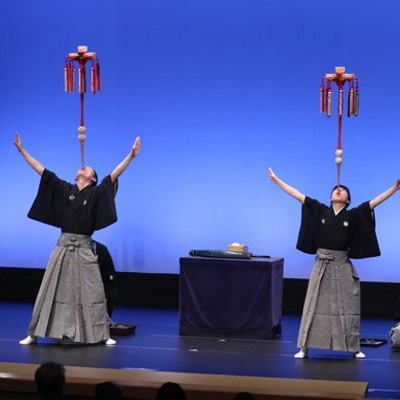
(227, 297)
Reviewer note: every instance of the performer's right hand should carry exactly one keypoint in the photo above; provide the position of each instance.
(18, 143)
(136, 147)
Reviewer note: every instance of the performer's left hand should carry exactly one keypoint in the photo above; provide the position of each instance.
(18, 143)
(136, 147)
(384, 196)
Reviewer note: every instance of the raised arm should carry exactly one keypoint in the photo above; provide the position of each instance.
(29, 159)
(122, 166)
(288, 189)
(385, 195)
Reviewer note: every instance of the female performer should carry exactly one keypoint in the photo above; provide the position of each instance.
(71, 302)
(331, 313)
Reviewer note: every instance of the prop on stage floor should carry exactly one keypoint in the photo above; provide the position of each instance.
(372, 342)
(82, 57)
(352, 104)
(395, 337)
(122, 329)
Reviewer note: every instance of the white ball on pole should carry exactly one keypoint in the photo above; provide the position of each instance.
(339, 152)
(82, 136)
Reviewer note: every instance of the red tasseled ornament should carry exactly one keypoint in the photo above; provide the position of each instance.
(66, 78)
(93, 78)
(323, 98)
(72, 78)
(340, 104)
(82, 79)
(98, 75)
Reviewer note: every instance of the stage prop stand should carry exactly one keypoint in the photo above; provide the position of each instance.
(352, 104)
(82, 57)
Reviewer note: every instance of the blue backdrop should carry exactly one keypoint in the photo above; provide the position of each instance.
(218, 90)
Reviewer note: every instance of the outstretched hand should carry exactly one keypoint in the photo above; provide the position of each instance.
(29, 159)
(272, 176)
(136, 147)
(397, 184)
(288, 189)
(18, 143)
(122, 166)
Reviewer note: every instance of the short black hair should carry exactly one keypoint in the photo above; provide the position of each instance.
(50, 380)
(346, 189)
(170, 390)
(95, 176)
(107, 391)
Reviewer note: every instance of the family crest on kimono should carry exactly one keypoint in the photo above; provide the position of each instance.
(331, 312)
(71, 302)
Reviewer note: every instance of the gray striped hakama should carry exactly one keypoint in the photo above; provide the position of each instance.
(331, 313)
(71, 301)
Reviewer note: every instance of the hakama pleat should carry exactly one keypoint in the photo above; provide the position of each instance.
(331, 313)
(71, 301)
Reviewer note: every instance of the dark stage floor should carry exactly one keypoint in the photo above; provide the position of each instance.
(157, 346)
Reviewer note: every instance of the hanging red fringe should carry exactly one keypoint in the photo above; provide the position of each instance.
(98, 75)
(350, 101)
(93, 78)
(66, 78)
(72, 77)
(82, 79)
(340, 104)
(356, 99)
(329, 101)
(322, 99)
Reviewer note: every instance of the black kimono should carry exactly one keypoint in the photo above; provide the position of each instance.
(61, 204)
(317, 230)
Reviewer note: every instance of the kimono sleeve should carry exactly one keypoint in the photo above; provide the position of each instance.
(105, 212)
(311, 213)
(48, 204)
(363, 240)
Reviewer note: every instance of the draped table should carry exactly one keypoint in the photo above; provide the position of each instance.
(228, 297)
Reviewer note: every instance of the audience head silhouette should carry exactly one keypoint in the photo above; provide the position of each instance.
(170, 391)
(107, 391)
(50, 381)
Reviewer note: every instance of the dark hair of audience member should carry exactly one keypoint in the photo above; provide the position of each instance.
(50, 380)
(170, 391)
(107, 391)
(244, 396)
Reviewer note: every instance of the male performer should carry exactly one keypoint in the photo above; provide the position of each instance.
(71, 302)
(331, 313)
